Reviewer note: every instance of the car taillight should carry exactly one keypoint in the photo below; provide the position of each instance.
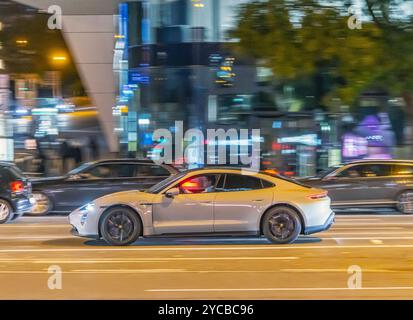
(17, 186)
(317, 196)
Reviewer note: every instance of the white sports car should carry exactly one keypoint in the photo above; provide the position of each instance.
(211, 201)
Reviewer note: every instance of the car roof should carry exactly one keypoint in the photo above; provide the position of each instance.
(6, 164)
(129, 160)
(226, 168)
(391, 161)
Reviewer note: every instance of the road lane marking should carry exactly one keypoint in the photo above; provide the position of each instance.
(279, 289)
(364, 228)
(97, 271)
(51, 237)
(375, 241)
(155, 259)
(313, 270)
(375, 224)
(225, 248)
(367, 238)
(369, 232)
(357, 220)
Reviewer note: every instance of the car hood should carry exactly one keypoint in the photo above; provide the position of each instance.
(135, 197)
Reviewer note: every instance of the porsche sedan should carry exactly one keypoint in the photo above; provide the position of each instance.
(210, 201)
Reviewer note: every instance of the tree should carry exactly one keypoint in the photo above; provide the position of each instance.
(299, 38)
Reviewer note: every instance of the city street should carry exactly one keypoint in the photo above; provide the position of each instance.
(315, 267)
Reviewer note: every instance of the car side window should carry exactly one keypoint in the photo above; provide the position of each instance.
(402, 170)
(199, 184)
(106, 171)
(149, 170)
(238, 182)
(267, 184)
(366, 171)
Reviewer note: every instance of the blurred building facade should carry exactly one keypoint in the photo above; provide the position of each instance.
(149, 63)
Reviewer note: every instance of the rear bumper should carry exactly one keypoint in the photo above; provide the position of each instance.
(327, 225)
(21, 204)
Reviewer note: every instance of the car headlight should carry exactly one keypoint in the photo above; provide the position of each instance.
(88, 208)
(85, 210)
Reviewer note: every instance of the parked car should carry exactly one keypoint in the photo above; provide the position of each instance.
(15, 193)
(93, 180)
(210, 201)
(369, 184)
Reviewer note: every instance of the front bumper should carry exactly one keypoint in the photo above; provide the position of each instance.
(84, 224)
(75, 232)
(327, 225)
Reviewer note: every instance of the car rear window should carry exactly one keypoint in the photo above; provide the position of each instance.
(238, 182)
(15, 172)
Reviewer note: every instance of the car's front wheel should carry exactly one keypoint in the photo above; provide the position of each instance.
(42, 206)
(120, 226)
(6, 212)
(405, 202)
(281, 225)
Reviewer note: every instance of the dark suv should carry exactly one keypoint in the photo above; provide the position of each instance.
(368, 184)
(93, 180)
(15, 193)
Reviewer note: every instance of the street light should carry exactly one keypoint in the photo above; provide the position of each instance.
(59, 59)
(22, 42)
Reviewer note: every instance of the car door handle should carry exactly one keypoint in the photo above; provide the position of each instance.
(258, 200)
(205, 202)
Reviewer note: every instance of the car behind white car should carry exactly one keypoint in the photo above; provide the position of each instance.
(210, 201)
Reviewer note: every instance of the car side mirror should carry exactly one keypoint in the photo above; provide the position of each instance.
(171, 193)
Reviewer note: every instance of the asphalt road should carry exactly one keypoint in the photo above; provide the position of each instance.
(315, 267)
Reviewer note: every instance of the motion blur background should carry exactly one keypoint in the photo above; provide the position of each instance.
(325, 81)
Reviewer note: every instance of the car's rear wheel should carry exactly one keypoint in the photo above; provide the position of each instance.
(405, 202)
(281, 225)
(6, 211)
(42, 206)
(120, 226)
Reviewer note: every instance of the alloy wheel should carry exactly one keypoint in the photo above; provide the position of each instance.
(405, 203)
(281, 225)
(4, 211)
(42, 205)
(119, 226)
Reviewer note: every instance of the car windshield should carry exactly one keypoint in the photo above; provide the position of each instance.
(79, 169)
(164, 183)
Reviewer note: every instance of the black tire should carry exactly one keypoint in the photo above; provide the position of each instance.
(405, 202)
(117, 220)
(281, 225)
(6, 211)
(43, 205)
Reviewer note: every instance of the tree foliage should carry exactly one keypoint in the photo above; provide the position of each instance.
(298, 38)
